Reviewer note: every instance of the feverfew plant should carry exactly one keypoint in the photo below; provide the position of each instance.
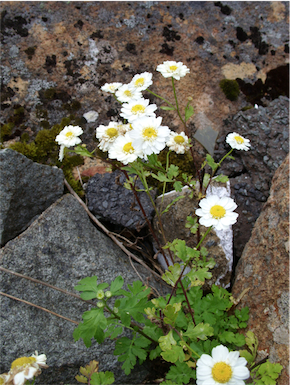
(196, 333)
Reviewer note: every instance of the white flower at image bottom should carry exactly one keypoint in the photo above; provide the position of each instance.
(222, 367)
(217, 212)
(238, 142)
(178, 142)
(142, 81)
(172, 69)
(136, 109)
(149, 136)
(26, 368)
(68, 137)
(123, 150)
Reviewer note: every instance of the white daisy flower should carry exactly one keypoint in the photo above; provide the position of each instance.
(108, 134)
(111, 87)
(178, 142)
(149, 136)
(217, 212)
(123, 150)
(126, 93)
(137, 108)
(68, 137)
(173, 69)
(91, 116)
(26, 368)
(142, 81)
(238, 142)
(222, 367)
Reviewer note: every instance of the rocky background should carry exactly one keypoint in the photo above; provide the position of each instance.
(55, 58)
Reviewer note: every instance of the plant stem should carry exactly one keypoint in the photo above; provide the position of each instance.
(133, 325)
(160, 97)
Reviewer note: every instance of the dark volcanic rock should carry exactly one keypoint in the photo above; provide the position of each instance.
(26, 190)
(251, 172)
(108, 198)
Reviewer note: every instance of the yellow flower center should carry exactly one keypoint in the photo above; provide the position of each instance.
(149, 133)
(22, 361)
(139, 82)
(69, 134)
(173, 68)
(221, 372)
(179, 139)
(128, 148)
(239, 139)
(2, 381)
(112, 132)
(128, 93)
(217, 212)
(138, 108)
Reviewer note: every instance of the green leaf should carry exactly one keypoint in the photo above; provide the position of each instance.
(212, 164)
(166, 108)
(161, 177)
(172, 171)
(128, 350)
(102, 378)
(116, 285)
(201, 331)
(180, 373)
(189, 111)
(221, 178)
(166, 342)
(206, 179)
(172, 274)
(93, 327)
(177, 186)
(80, 150)
(198, 277)
(89, 287)
(174, 354)
(171, 313)
(192, 224)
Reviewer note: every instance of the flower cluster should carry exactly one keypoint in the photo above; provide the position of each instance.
(146, 134)
(23, 369)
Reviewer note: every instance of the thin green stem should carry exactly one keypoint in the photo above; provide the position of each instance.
(160, 97)
(132, 326)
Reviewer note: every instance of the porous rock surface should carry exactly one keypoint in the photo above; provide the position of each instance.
(252, 171)
(264, 270)
(26, 190)
(109, 199)
(57, 55)
(60, 248)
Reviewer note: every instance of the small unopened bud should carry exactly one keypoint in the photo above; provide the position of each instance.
(100, 294)
(108, 294)
(190, 99)
(100, 304)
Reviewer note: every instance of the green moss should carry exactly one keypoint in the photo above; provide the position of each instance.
(44, 124)
(73, 106)
(230, 88)
(24, 137)
(41, 113)
(50, 93)
(247, 108)
(6, 130)
(45, 150)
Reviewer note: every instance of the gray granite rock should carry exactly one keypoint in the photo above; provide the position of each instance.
(109, 199)
(26, 190)
(61, 247)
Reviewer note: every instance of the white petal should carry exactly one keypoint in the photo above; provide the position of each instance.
(220, 353)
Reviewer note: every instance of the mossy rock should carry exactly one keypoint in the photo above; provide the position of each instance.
(230, 88)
